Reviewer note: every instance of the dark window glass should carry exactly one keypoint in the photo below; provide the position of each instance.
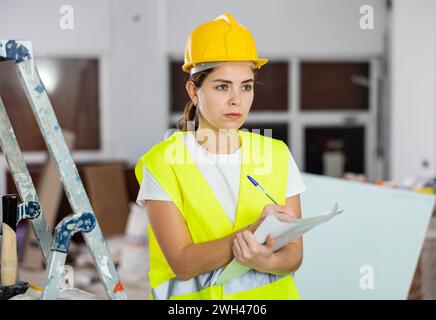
(334, 86)
(334, 151)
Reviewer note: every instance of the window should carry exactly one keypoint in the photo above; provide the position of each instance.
(73, 89)
(332, 151)
(334, 86)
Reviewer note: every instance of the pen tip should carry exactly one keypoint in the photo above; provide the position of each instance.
(252, 180)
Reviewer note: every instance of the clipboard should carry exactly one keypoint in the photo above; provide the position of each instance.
(282, 231)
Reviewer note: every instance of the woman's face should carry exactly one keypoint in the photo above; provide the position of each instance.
(226, 96)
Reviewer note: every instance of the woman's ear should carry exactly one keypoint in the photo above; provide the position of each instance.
(192, 91)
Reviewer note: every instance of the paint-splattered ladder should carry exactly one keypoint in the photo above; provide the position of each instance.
(83, 219)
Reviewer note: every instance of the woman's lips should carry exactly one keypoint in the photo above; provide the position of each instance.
(232, 116)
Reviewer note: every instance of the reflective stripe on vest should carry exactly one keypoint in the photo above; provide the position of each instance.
(248, 281)
(170, 163)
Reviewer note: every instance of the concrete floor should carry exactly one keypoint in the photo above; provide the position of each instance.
(134, 292)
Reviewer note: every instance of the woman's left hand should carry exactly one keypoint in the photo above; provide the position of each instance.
(248, 252)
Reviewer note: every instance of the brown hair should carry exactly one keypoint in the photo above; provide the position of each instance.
(191, 111)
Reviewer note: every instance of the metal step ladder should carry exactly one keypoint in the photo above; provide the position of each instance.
(54, 249)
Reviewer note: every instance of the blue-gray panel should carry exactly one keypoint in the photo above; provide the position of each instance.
(380, 228)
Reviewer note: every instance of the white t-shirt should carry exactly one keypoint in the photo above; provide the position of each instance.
(222, 173)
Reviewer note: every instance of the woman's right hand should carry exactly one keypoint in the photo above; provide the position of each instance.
(284, 213)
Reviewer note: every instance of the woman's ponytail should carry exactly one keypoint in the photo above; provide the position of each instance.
(189, 122)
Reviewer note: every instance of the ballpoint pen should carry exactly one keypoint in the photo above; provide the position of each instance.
(257, 185)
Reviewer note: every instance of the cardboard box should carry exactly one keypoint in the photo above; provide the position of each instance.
(107, 191)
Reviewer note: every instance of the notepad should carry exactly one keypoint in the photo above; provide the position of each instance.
(282, 231)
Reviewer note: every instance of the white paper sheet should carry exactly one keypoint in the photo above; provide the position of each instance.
(282, 231)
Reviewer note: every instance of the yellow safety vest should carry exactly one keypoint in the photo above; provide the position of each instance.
(266, 160)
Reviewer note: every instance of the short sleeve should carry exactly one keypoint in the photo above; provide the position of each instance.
(150, 189)
(295, 183)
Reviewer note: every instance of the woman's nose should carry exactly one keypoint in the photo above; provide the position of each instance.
(235, 99)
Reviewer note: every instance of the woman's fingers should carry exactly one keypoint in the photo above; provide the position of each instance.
(235, 253)
(251, 242)
(283, 213)
(285, 217)
(237, 248)
(270, 242)
(266, 211)
(243, 245)
(287, 210)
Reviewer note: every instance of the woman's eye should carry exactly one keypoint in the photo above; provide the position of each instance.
(222, 87)
(246, 87)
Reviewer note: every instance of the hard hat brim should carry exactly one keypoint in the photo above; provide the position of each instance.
(258, 63)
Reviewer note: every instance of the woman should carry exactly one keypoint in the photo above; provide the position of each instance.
(202, 208)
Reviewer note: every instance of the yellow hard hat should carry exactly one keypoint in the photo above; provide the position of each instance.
(220, 40)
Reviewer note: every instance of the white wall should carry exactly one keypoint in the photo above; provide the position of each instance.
(413, 65)
(283, 27)
(139, 94)
(39, 21)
